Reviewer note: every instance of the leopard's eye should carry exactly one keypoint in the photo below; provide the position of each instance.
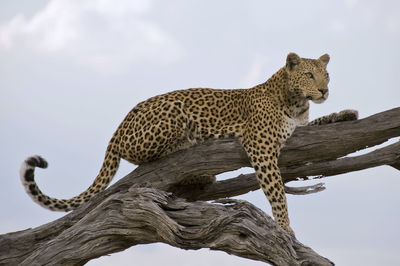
(310, 75)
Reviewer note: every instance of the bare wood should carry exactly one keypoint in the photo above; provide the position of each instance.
(311, 151)
(147, 215)
(333, 141)
(241, 184)
(305, 189)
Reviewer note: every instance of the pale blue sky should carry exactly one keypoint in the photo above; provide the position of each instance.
(70, 71)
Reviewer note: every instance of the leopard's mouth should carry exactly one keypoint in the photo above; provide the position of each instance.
(320, 99)
(316, 100)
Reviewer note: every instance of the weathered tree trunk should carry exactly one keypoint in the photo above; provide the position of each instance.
(149, 205)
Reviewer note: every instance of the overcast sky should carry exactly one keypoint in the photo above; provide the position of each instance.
(70, 70)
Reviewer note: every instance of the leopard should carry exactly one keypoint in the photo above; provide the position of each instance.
(262, 118)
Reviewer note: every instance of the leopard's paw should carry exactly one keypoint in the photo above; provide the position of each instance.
(347, 115)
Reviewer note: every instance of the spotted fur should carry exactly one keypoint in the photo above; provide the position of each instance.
(262, 118)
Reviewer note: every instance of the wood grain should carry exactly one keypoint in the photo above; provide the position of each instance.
(149, 205)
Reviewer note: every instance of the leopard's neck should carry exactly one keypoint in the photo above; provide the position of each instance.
(292, 101)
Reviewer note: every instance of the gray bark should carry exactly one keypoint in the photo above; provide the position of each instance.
(149, 205)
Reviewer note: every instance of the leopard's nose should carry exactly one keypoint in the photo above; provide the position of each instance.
(323, 91)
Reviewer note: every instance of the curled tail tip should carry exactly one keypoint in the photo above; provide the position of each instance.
(28, 167)
(36, 161)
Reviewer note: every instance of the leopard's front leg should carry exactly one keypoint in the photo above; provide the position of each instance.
(345, 115)
(263, 151)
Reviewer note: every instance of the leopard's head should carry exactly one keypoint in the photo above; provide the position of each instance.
(308, 78)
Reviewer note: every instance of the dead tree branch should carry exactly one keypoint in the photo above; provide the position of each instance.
(140, 208)
(148, 215)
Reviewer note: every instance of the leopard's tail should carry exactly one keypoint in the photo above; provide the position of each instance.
(106, 174)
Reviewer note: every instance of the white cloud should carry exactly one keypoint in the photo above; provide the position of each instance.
(337, 25)
(368, 15)
(256, 73)
(103, 34)
(350, 3)
(392, 24)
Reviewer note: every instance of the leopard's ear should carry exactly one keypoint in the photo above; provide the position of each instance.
(292, 61)
(324, 59)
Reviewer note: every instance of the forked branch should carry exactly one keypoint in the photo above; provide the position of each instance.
(140, 208)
